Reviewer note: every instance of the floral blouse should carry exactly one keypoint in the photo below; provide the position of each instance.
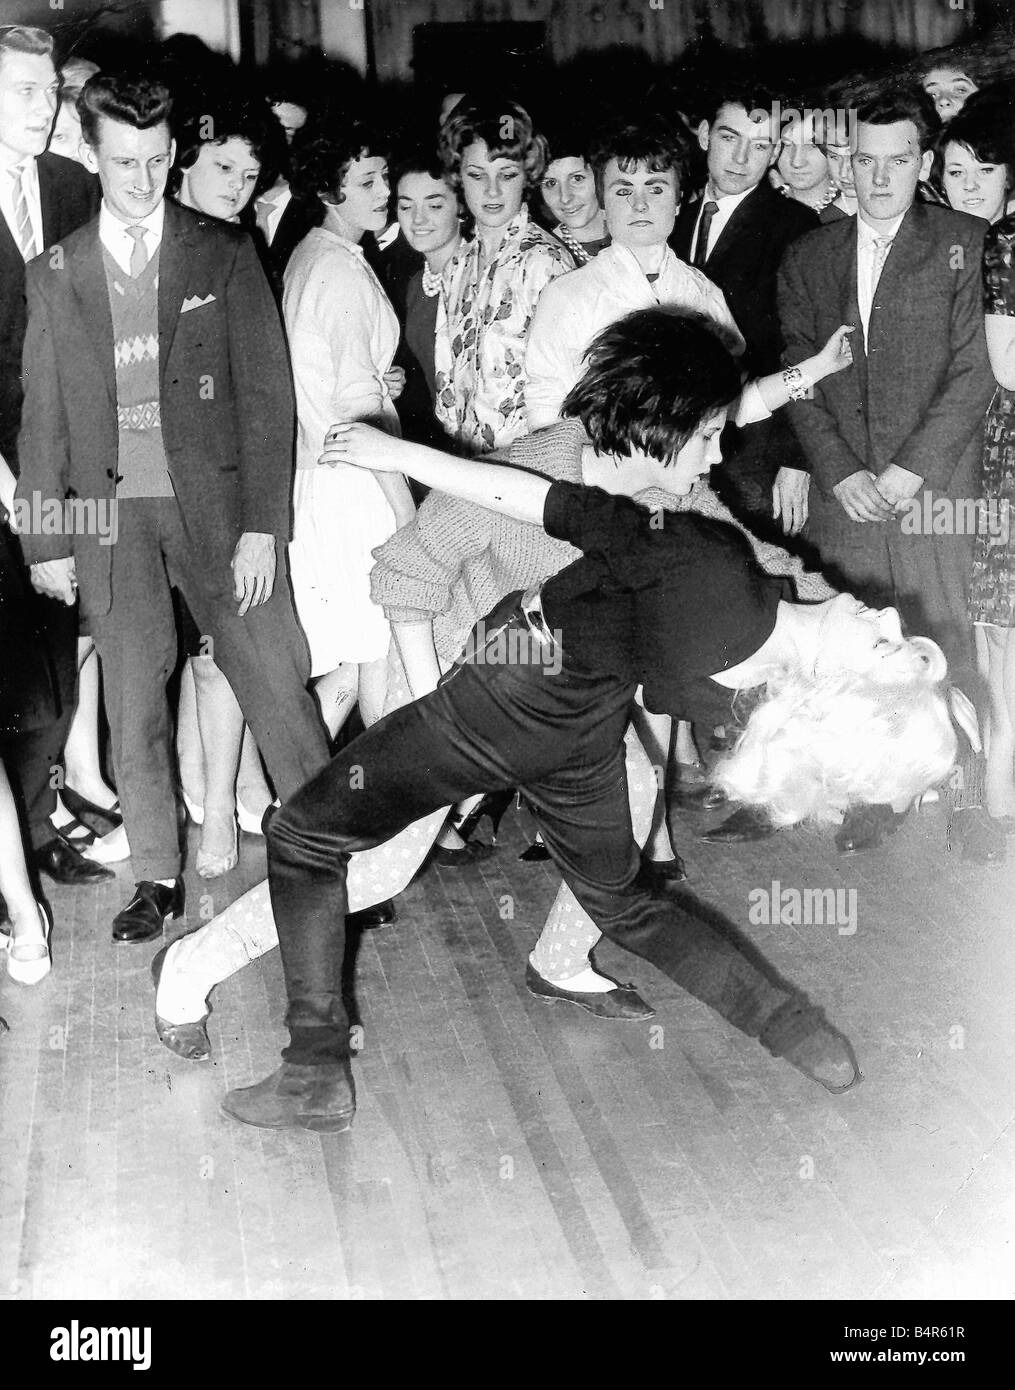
(482, 323)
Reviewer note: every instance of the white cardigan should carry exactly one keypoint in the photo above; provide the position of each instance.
(574, 308)
(342, 337)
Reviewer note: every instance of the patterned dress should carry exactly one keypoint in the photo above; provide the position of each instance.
(482, 324)
(992, 586)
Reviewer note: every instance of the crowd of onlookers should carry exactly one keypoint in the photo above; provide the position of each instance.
(197, 282)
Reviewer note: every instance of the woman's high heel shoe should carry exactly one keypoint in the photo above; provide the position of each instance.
(28, 962)
(215, 865)
(492, 808)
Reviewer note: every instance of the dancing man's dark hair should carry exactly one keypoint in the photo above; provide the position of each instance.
(655, 145)
(320, 163)
(903, 104)
(652, 378)
(128, 97)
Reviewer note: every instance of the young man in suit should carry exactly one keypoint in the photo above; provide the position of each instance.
(43, 197)
(895, 441)
(736, 231)
(158, 381)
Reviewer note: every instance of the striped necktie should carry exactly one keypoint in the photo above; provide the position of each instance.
(22, 216)
(138, 254)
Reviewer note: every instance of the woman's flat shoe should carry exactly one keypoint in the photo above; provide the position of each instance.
(28, 962)
(187, 1040)
(215, 865)
(472, 852)
(623, 1002)
(250, 821)
(109, 849)
(79, 805)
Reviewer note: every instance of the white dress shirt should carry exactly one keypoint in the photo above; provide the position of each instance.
(114, 237)
(727, 204)
(865, 252)
(30, 183)
(270, 206)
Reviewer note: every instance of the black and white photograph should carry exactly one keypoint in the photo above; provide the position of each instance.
(507, 668)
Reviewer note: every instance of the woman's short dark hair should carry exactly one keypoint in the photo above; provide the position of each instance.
(902, 104)
(250, 120)
(655, 145)
(128, 97)
(650, 380)
(504, 127)
(418, 159)
(983, 127)
(321, 162)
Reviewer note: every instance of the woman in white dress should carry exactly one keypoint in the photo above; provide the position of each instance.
(342, 337)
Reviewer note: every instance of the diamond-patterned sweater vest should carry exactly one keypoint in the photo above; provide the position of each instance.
(141, 466)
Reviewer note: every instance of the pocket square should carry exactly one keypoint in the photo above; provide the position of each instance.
(196, 302)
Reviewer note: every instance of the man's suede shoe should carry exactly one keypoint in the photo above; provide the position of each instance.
(297, 1097)
(144, 916)
(866, 827)
(799, 1033)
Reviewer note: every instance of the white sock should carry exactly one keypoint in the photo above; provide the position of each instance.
(178, 999)
(167, 882)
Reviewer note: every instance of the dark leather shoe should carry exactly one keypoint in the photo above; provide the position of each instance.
(321, 1098)
(743, 826)
(979, 837)
(537, 853)
(866, 827)
(799, 1033)
(380, 915)
(657, 875)
(63, 864)
(623, 1002)
(187, 1040)
(144, 916)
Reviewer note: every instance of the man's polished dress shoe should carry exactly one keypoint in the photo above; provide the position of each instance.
(63, 864)
(321, 1098)
(799, 1033)
(380, 915)
(866, 827)
(743, 826)
(144, 916)
(623, 1002)
(187, 1040)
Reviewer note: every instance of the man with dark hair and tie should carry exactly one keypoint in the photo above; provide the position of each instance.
(736, 232)
(157, 380)
(43, 197)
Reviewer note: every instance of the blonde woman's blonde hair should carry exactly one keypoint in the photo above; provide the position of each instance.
(818, 744)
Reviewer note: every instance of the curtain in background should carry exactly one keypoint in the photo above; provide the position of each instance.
(576, 26)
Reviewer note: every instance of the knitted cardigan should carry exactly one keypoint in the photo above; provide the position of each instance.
(454, 561)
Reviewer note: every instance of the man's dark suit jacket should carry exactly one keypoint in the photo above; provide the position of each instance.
(917, 395)
(744, 263)
(69, 197)
(228, 414)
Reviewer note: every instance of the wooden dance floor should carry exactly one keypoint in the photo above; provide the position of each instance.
(506, 1148)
